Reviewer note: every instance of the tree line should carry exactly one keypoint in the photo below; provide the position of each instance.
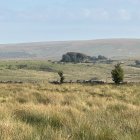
(80, 57)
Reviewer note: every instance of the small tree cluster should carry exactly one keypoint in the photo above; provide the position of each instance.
(62, 78)
(137, 62)
(117, 74)
(80, 57)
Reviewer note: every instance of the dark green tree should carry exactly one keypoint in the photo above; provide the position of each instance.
(137, 62)
(62, 78)
(117, 74)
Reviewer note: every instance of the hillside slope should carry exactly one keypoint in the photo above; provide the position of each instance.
(54, 50)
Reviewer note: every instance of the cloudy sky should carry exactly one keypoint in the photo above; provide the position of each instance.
(52, 20)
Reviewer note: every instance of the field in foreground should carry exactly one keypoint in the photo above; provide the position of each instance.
(69, 112)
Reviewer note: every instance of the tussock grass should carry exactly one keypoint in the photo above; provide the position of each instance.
(69, 112)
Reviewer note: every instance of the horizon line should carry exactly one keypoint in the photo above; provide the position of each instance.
(75, 40)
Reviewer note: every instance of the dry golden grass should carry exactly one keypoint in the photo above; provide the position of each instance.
(69, 112)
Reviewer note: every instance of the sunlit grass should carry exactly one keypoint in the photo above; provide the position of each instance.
(69, 112)
(35, 70)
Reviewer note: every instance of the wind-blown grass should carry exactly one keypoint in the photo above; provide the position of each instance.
(69, 112)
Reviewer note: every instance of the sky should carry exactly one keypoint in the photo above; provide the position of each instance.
(59, 20)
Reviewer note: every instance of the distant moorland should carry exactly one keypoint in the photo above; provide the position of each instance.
(118, 48)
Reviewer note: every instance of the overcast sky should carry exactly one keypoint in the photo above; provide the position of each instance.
(51, 20)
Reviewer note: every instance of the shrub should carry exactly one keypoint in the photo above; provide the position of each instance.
(62, 78)
(117, 74)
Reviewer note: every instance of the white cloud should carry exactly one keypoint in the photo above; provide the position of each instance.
(124, 14)
(86, 12)
(105, 14)
(32, 16)
(135, 1)
(96, 14)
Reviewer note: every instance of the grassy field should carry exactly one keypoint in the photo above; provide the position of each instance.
(43, 111)
(28, 71)
(69, 112)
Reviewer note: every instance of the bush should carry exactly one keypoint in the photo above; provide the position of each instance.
(117, 74)
(62, 78)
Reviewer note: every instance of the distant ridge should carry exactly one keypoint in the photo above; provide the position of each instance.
(55, 49)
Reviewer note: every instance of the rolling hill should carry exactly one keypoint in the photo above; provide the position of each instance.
(115, 48)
